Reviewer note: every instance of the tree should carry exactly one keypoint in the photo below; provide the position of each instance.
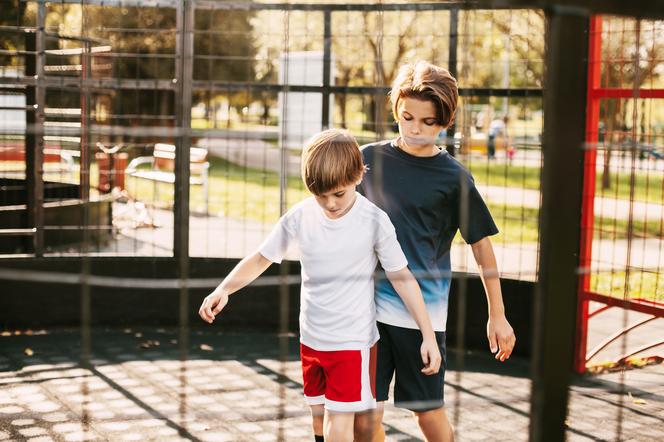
(624, 43)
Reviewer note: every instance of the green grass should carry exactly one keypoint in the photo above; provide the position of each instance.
(235, 191)
(642, 284)
(647, 187)
(492, 174)
(253, 194)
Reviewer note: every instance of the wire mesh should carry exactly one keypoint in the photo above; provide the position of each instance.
(265, 77)
(624, 171)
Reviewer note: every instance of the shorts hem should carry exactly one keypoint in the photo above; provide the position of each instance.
(349, 407)
(315, 400)
(420, 406)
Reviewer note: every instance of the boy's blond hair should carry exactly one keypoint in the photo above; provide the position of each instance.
(424, 81)
(331, 159)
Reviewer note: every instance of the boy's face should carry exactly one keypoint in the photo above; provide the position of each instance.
(418, 125)
(336, 203)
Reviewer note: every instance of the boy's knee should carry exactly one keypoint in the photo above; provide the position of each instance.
(368, 426)
(334, 432)
(435, 425)
(338, 427)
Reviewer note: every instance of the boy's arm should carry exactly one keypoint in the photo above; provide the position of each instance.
(499, 331)
(407, 288)
(242, 275)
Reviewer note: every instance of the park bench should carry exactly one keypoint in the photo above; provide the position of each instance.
(63, 157)
(162, 166)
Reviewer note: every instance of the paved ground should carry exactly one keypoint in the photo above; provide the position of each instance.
(242, 387)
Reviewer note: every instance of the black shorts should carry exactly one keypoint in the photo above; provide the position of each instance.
(399, 352)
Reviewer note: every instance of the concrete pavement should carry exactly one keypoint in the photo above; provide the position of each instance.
(141, 384)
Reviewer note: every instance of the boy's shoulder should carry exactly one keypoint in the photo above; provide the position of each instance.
(300, 208)
(371, 212)
(376, 145)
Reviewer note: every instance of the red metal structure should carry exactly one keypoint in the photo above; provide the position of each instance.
(599, 92)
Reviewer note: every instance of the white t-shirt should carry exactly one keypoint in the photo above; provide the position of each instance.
(338, 257)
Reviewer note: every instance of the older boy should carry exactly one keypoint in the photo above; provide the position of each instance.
(341, 237)
(428, 196)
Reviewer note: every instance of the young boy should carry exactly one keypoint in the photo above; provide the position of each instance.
(341, 237)
(428, 195)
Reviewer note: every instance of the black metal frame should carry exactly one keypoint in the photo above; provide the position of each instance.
(562, 142)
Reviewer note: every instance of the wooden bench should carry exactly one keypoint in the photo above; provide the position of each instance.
(16, 152)
(162, 166)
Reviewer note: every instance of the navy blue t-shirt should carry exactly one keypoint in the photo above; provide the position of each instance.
(423, 196)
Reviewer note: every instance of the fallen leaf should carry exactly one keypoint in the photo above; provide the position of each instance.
(6, 333)
(637, 401)
(206, 347)
(138, 335)
(28, 351)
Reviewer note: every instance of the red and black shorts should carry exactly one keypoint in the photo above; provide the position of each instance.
(342, 380)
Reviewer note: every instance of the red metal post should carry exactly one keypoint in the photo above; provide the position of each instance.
(587, 211)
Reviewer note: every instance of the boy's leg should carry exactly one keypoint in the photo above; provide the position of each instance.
(350, 389)
(314, 387)
(369, 425)
(413, 390)
(338, 427)
(317, 413)
(435, 425)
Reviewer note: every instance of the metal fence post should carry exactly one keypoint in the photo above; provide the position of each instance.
(34, 140)
(452, 67)
(556, 293)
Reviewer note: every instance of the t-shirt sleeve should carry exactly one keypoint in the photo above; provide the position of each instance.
(389, 252)
(475, 220)
(275, 246)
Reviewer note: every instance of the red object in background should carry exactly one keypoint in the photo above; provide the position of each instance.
(16, 152)
(594, 99)
(114, 173)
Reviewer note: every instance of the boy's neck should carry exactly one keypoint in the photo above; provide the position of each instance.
(418, 151)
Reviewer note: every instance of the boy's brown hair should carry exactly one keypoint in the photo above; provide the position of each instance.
(331, 159)
(427, 82)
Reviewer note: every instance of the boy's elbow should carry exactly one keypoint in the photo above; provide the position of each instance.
(401, 278)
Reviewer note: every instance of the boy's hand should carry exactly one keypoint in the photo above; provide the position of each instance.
(430, 356)
(501, 337)
(212, 305)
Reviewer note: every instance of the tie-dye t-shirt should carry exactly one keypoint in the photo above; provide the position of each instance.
(423, 196)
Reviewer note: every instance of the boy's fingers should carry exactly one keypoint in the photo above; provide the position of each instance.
(425, 357)
(219, 307)
(201, 311)
(439, 362)
(502, 355)
(493, 345)
(205, 311)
